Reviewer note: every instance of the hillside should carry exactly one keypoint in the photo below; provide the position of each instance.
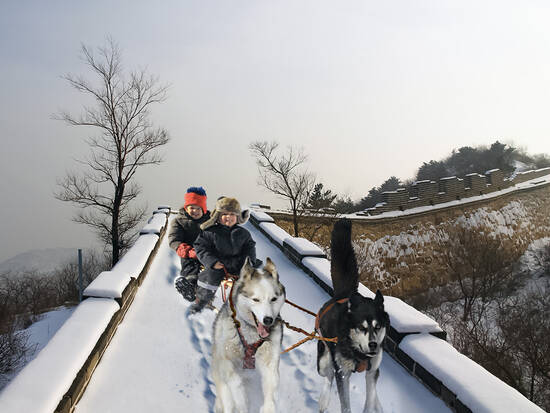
(40, 260)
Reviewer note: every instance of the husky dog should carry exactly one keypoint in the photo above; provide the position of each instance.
(247, 334)
(359, 323)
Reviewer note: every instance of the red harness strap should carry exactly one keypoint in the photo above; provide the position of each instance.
(249, 361)
(227, 283)
(321, 314)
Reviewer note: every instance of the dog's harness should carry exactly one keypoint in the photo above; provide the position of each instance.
(249, 361)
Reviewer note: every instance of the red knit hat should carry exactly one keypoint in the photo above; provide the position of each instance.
(195, 196)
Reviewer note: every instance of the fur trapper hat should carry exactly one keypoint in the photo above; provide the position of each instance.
(226, 204)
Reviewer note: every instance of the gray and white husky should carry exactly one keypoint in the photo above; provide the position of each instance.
(358, 322)
(247, 335)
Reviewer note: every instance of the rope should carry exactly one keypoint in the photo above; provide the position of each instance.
(309, 336)
(228, 282)
(301, 308)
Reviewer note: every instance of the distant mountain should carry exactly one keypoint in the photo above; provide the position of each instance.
(41, 260)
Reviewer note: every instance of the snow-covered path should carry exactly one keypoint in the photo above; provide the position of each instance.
(159, 359)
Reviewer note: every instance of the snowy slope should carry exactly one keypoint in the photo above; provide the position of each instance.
(159, 359)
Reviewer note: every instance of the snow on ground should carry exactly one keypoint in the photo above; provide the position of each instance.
(159, 359)
(39, 334)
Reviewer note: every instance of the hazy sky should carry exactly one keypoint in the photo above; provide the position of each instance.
(369, 89)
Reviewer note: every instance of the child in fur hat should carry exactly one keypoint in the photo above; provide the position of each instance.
(183, 232)
(222, 244)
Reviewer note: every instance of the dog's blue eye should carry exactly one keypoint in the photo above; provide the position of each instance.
(274, 299)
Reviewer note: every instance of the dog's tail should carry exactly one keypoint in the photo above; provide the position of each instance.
(343, 264)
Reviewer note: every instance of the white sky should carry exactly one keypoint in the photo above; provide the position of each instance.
(368, 89)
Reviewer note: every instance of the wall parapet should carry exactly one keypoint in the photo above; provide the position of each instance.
(429, 193)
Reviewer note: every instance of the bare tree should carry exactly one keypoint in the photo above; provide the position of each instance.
(284, 175)
(126, 141)
(480, 264)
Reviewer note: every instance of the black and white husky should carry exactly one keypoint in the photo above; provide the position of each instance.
(359, 323)
(247, 335)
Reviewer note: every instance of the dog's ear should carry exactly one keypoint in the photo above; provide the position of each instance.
(379, 299)
(270, 268)
(247, 270)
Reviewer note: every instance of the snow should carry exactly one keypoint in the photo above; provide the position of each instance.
(159, 359)
(320, 267)
(155, 224)
(304, 246)
(41, 384)
(407, 319)
(261, 216)
(533, 259)
(277, 233)
(474, 386)
(108, 284)
(39, 334)
(134, 260)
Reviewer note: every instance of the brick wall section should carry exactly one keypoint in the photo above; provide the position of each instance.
(423, 193)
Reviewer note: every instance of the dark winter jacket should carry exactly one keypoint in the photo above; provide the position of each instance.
(185, 229)
(229, 245)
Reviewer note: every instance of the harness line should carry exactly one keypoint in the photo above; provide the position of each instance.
(250, 349)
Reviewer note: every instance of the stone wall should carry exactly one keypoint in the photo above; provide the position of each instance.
(424, 193)
(402, 254)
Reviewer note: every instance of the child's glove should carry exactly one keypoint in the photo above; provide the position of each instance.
(183, 250)
(192, 254)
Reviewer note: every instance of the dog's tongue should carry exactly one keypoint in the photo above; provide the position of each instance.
(263, 331)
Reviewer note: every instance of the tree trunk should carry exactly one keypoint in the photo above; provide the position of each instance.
(295, 219)
(115, 236)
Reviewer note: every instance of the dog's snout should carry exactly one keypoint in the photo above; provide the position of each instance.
(373, 345)
(268, 321)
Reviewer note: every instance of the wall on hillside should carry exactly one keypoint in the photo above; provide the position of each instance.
(404, 255)
(424, 193)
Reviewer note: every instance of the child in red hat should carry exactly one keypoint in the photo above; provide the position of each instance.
(183, 232)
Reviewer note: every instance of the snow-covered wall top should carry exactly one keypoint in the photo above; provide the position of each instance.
(108, 284)
(304, 247)
(275, 232)
(40, 386)
(135, 258)
(474, 386)
(260, 216)
(155, 224)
